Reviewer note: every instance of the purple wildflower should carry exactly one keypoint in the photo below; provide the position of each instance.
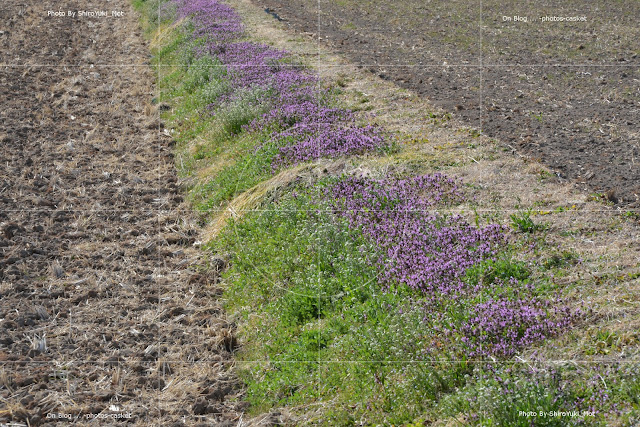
(304, 126)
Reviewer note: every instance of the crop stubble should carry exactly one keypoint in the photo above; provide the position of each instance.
(102, 309)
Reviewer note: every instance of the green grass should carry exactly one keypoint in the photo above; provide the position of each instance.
(312, 311)
(501, 400)
(211, 127)
(321, 309)
(319, 335)
(190, 86)
(522, 222)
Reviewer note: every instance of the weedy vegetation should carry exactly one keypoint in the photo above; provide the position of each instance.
(364, 291)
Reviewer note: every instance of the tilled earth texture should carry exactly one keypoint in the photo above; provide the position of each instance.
(566, 93)
(107, 313)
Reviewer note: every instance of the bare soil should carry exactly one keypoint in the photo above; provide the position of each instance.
(106, 307)
(565, 94)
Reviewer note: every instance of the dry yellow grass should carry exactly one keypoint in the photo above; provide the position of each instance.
(251, 199)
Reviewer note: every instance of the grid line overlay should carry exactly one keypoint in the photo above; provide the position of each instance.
(318, 64)
(159, 211)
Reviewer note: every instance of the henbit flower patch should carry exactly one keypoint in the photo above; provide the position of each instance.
(423, 249)
(502, 326)
(431, 253)
(304, 125)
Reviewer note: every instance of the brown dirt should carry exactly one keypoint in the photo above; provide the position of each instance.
(567, 95)
(106, 306)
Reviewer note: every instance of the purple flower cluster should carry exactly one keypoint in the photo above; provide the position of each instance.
(430, 252)
(421, 248)
(303, 125)
(213, 21)
(314, 139)
(501, 326)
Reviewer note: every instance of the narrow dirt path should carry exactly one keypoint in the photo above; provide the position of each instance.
(107, 310)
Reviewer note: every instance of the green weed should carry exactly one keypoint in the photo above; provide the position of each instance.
(522, 222)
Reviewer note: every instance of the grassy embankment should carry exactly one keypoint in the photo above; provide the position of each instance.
(377, 297)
